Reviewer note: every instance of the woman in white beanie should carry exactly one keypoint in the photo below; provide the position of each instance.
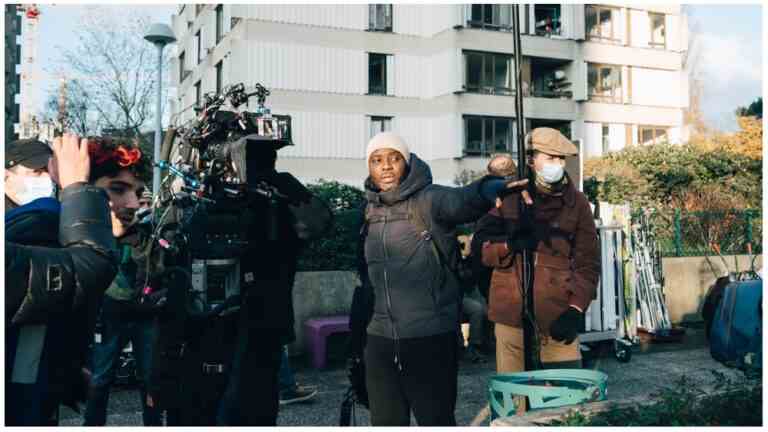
(411, 255)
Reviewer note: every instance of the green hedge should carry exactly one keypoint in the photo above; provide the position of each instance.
(335, 250)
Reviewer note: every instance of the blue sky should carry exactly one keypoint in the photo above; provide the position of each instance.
(728, 38)
(730, 51)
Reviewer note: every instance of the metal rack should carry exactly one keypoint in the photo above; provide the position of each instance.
(612, 315)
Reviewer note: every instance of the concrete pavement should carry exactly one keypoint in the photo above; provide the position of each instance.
(651, 368)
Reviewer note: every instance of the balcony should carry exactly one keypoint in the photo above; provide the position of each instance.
(549, 78)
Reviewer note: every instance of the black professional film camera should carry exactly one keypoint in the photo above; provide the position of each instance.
(202, 220)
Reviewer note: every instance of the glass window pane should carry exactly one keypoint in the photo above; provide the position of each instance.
(646, 135)
(606, 83)
(592, 28)
(505, 15)
(477, 12)
(379, 16)
(501, 78)
(592, 79)
(377, 64)
(375, 128)
(605, 23)
(474, 135)
(501, 137)
(371, 16)
(661, 135)
(488, 14)
(474, 70)
(657, 28)
(488, 70)
(488, 138)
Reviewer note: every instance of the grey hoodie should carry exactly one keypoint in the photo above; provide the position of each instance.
(415, 296)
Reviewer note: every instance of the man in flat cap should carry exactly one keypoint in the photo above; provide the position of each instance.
(559, 229)
(26, 172)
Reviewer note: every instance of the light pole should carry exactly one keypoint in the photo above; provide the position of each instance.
(160, 35)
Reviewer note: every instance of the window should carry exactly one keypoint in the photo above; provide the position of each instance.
(487, 135)
(377, 73)
(488, 73)
(658, 31)
(600, 23)
(380, 17)
(547, 19)
(198, 95)
(604, 83)
(651, 134)
(491, 16)
(219, 23)
(606, 138)
(380, 124)
(219, 76)
(182, 62)
(199, 47)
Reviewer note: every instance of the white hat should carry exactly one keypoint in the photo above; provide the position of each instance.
(388, 140)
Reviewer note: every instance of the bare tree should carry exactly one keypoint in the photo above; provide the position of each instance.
(115, 68)
(78, 115)
(692, 66)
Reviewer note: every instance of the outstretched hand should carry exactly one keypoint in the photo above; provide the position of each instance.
(517, 186)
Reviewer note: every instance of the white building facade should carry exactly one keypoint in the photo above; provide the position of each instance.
(440, 76)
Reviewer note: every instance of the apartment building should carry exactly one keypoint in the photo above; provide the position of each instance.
(608, 76)
(12, 77)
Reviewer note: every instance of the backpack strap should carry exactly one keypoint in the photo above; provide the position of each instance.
(419, 221)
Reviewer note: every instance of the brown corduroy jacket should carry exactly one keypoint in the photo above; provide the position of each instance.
(566, 268)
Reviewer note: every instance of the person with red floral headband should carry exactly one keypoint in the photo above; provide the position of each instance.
(119, 167)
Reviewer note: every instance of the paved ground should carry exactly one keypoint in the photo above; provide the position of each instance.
(652, 367)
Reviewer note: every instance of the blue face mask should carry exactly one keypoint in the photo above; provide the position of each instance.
(551, 173)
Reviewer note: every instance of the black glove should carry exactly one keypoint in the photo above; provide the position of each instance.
(567, 326)
(357, 378)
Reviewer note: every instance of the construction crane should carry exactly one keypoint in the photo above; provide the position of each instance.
(29, 76)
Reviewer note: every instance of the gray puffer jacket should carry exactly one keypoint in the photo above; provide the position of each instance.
(415, 296)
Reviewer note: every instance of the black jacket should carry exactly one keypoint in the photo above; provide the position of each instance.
(57, 268)
(415, 295)
(75, 269)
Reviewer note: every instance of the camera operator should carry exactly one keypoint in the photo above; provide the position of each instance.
(228, 374)
(59, 258)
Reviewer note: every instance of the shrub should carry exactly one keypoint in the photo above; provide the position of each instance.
(335, 250)
(731, 403)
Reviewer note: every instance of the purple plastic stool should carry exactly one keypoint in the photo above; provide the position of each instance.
(317, 331)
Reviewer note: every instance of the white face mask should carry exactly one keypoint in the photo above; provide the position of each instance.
(32, 188)
(551, 173)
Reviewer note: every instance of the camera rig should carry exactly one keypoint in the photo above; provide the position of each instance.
(204, 217)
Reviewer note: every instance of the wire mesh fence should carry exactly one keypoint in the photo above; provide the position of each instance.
(683, 234)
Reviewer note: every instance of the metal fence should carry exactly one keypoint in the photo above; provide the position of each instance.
(732, 232)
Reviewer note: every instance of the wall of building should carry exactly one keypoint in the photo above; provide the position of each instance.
(315, 61)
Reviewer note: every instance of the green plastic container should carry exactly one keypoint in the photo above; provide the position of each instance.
(548, 388)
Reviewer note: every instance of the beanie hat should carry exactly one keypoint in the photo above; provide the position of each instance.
(387, 140)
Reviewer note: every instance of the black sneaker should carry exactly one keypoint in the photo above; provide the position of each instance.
(296, 394)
